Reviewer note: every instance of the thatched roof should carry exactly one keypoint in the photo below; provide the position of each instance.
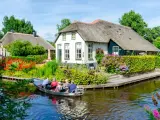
(103, 31)
(10, 37)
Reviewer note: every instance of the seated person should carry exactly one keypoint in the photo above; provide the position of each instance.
(66, 84)
(72, 87)
(45, 82)
(59, 87)
(54, 84)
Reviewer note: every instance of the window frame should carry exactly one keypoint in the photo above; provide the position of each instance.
(64, 36)
(78, 58)
(90, 51)
(68, 52)
(73, 38)
(113, 48)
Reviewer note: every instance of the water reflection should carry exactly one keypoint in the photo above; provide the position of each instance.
(52, 107)
(71, 108)
(123, 104)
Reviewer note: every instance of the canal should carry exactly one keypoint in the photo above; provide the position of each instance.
(126, 103)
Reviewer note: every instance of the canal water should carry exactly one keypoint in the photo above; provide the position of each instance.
(126, 103)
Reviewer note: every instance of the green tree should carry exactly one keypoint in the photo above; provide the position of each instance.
(152, 34)
(156, 32)
(148, 35)
(1, 34)
(64, 23)
(157, 42)
(135, 21)
(17, 25)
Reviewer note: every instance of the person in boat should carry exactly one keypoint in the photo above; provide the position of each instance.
(45, 83)
(54, 84)
(72, 87)
(59, 87)
(66, 85)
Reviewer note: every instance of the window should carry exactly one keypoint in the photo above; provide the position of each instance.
(115, 50)
(64, 36)
(78, 51)
(90, 51)
(66, 51)
(73, 36)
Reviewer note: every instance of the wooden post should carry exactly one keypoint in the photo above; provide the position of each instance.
(49, 54)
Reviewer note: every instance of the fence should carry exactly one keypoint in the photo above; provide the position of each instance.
(3, 52)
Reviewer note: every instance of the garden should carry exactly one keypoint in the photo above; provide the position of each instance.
(28, 61)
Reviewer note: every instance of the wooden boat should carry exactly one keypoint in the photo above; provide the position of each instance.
(38, 83)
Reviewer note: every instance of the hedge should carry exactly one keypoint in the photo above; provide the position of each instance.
(135, 64)
(157, 61)
(139, 64)
(34, 58)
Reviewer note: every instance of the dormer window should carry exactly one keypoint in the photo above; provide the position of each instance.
(73, 35)
(64, 36)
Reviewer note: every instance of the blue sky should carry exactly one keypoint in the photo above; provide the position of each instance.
(46, 14)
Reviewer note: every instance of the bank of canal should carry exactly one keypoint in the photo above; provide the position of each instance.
(126, 103)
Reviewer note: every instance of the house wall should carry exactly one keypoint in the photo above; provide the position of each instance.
(110, 46)
(72, 43)
(71, 47)
(103, 46)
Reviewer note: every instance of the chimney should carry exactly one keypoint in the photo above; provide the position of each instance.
(34, 34)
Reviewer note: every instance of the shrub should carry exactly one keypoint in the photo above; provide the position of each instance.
(130, 64)
(81, 77)
(24, 48)
(157, 58)
(35, 58)
(48, 70)
(99, 55)
(112, 63)
(139, 64)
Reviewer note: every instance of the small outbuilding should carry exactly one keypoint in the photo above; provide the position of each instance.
(33, 38)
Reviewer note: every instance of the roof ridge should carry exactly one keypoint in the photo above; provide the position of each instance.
(22, 33)
(100, 20)
(113, 23)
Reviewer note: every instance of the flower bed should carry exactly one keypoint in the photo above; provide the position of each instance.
(18, 64)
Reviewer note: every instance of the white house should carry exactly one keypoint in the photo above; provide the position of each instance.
(77, 43)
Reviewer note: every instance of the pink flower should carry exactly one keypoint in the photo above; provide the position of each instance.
(156, 113)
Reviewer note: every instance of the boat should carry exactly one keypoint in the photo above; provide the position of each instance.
(38, 84)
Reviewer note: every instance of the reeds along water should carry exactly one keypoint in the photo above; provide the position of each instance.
(154, 100)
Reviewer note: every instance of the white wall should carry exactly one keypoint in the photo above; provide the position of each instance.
(72, 48)
(72, 43)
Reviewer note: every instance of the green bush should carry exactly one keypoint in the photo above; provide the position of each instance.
(136, 64)
(24, 48)
(139, 64)
(35, 58)
(48, 70)
(157, 61)
(81, 77)
(111, 63)
(99, 55)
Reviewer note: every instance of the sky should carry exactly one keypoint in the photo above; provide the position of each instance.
(46, 14)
